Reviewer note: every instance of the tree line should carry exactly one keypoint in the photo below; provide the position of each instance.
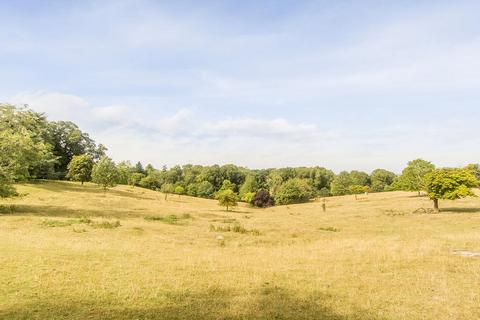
(31, 147)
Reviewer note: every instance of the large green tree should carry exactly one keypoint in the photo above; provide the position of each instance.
(381, 180)
(341, 184)
(449, 184)
(22, 146)
(80, 168)
(295, 190)
(68, 141)
(413, 176)
(227, 198)
(360, 178)
(105, 173)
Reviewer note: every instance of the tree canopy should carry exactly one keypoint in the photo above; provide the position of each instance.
(227, 198)
(450, 184)
(413, 176)
(105, 173)
(80, 168)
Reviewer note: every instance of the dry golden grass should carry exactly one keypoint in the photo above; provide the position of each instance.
(366, 259)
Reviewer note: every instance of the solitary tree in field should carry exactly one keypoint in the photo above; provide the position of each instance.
(80, 168)
(450, 184)
(105, 173)
(227, 198)
(413, 176)
(357, 189)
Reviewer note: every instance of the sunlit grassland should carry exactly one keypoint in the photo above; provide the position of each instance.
(63, 255)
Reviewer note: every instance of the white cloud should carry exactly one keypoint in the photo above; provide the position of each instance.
(59, 106)
(179, 138)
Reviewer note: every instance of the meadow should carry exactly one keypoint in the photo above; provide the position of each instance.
(75, 252)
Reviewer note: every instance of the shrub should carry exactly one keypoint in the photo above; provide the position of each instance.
(263, 199)
(179, 190)
(192, 190)
(135, 178)
(248, 197)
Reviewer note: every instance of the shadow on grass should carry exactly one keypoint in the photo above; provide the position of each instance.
(459, 210)
(269, 302)
(60, 211)
(63, 186)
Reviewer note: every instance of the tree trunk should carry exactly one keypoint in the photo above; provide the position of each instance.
(435, 205)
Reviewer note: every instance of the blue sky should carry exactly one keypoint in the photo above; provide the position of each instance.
(341, 84)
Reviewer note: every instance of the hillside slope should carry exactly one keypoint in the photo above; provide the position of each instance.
(74, 252)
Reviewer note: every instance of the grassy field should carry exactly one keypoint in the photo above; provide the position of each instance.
(74, 252)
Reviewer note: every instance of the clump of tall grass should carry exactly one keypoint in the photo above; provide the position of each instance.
(64, 223)
(169, 219)
(7, 209)
(329, 229)
(105, 225)
(57, 223)
(50, 223)
(236, 227)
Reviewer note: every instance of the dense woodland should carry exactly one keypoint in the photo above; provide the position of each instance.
(31, 147)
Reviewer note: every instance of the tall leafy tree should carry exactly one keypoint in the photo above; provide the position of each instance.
(449, 184)
(125, 171)
(68, 141)
(105, 173)
(381, 180)
(413, 176)
(227, 198)
(294, 190)
(167, 188)
(205, 189)
(22, 146)
(360, 178)
(357, 189)
(139, 168)
(341, 184)
(80, 168)
(274, 181)
(135, 178)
